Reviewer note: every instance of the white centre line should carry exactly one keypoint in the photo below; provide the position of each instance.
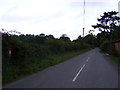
(88, 59)
(78, 73)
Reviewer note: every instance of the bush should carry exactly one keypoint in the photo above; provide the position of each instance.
(111, 50)
(31, 54)
(104, 46)
(108, 47)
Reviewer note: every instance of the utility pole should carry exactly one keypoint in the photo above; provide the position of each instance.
(84, 18)
(119, 11)
(83, 31)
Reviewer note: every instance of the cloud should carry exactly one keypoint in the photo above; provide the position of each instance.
(55, 17)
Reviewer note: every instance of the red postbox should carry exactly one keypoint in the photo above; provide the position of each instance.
(9, 51)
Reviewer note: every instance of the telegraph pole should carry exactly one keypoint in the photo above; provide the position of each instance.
(83, 31)
(119, 11)
(83, 18)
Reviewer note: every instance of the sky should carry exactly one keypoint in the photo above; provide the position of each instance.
(54, 17)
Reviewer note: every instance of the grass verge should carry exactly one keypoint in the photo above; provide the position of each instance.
(116, 60)
(15, 73)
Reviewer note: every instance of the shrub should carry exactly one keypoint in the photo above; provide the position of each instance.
(104, 46)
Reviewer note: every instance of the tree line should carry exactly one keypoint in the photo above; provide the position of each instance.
(28, 50)
(27, 46)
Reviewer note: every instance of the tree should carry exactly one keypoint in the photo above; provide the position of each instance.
(116, 33)
(42, 35)
(110, 31)
(79, 37)
(101, 37)
(50, 37)
(108, 21)
(65, 38)
(90, 39)
(91, 32)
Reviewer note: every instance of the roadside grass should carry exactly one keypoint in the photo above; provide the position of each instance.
(16, 73)
(116, 60)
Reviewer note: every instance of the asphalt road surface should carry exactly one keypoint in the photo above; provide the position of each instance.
(88, 70)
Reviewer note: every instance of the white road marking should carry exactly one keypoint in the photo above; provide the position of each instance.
(78, 73)
(88, 59)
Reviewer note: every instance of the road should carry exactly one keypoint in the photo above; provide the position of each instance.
(88, 70)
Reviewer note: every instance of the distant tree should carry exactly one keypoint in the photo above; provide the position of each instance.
(42, 35)
(65, 38)
(50, 37)
(41, 38)
(91, 31)
(14, 32)
(79, 37)
(64, 35)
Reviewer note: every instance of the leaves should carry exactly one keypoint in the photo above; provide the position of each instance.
(108, 21)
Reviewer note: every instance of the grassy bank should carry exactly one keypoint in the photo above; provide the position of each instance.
(13, 73)
(116, 60)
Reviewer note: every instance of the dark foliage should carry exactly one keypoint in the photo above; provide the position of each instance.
(32, 49)
(110, 31)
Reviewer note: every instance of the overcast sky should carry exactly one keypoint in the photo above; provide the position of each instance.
(54, 17)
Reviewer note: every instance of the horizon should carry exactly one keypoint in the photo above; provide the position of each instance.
(53, 17)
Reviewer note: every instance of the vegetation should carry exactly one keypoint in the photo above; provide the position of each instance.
(32, 53)
(110, 31)
(116, 60)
